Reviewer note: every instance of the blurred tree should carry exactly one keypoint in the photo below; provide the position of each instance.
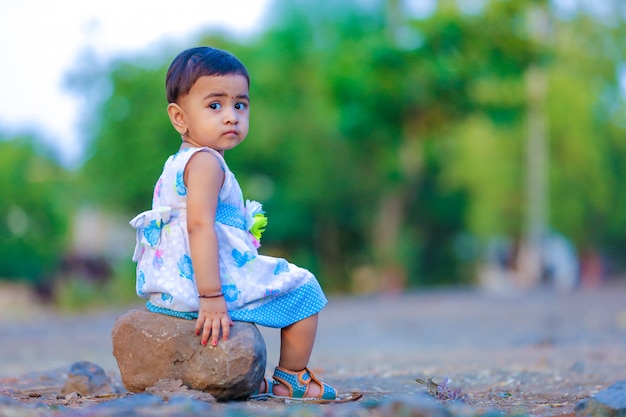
(33, 211)
(581, 58)
(397, 88)
(484, 151)
(587, 120)
(381, 139)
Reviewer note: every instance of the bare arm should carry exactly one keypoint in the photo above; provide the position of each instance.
(204, 178)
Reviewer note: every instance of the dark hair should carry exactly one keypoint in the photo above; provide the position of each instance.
(194, 63)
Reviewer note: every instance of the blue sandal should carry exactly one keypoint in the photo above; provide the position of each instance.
(298, 384)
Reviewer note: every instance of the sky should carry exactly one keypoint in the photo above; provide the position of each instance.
(40, 41)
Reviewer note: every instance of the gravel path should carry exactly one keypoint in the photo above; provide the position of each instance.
(539, 352)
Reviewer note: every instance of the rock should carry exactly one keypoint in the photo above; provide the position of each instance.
(607, 403)
(150, 347)
(87, 378)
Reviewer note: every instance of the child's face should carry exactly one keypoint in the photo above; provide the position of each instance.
(217, 111)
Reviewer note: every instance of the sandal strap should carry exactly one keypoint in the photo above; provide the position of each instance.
(326, 391)
(298, 383)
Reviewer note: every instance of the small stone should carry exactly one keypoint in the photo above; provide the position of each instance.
(607, 403)
(87, 379)
(150, 347)
(73, 396)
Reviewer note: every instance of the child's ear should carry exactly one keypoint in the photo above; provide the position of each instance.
(177, 117)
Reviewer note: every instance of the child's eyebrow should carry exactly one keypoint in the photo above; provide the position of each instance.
(239, 97)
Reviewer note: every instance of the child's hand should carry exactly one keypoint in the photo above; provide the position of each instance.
(213, 316)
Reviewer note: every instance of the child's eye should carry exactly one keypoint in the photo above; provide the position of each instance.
(241, 106)
(215, 106)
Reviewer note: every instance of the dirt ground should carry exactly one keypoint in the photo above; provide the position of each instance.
(538, 352)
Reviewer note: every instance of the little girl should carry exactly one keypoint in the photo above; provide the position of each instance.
(197, 248)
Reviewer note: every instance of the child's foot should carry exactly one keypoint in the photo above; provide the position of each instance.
(301, 385)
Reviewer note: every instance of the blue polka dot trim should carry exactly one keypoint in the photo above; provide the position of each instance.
(280, 312)
(189, 315)
(229, 215)
(287, 309)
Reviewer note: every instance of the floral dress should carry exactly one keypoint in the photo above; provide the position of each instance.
(260, 289)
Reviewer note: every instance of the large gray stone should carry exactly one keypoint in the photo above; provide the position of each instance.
(607, 403)
(150, 347)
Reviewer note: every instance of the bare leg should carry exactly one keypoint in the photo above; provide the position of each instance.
(296, 345)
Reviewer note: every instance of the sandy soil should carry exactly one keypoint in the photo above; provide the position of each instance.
(538, 352)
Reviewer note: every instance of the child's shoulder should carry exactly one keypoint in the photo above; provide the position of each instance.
(181, 157)
(200, 156)
(186, 153)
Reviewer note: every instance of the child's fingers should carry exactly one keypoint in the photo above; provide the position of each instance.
(226, 323)
(215, 332)
(210, 328)
(206, 332)
(199, 326)
(203, 327)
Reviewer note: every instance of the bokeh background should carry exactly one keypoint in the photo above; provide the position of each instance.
(395, 144)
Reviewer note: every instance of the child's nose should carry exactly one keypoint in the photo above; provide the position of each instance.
(230, 115)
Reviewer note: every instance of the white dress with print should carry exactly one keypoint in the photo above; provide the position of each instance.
(260, 289)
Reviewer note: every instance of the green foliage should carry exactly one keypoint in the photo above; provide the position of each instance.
(374, 145)
(386, 145)
(33, 213)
